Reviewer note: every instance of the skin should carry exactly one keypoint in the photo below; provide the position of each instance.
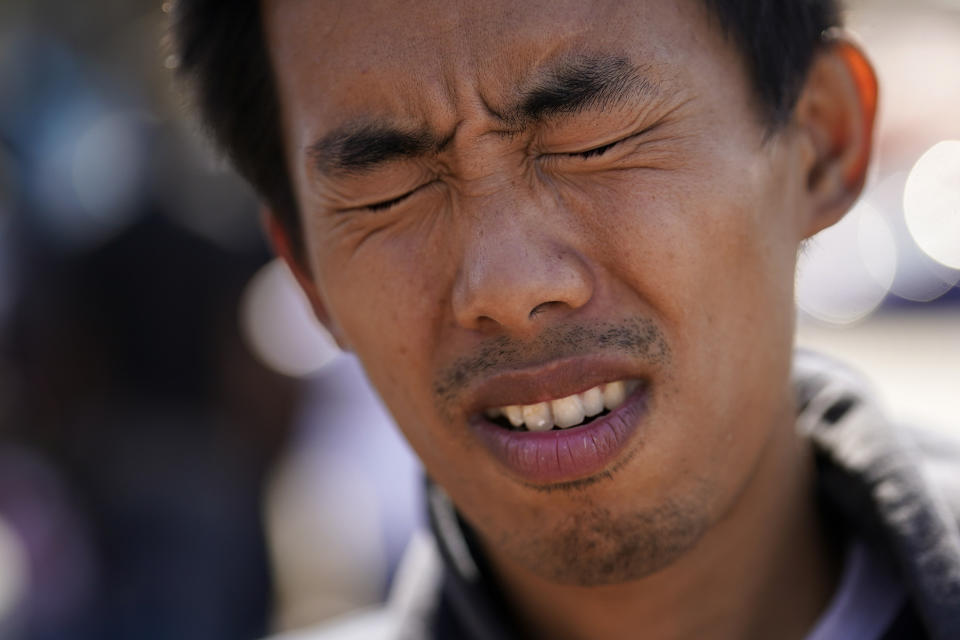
(514, 247)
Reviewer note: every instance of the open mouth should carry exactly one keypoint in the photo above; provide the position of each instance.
(575, 410)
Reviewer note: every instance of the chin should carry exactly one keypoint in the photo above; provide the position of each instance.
(595, 546)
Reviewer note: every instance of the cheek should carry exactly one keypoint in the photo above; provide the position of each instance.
(687, 236)
(385, 311)
(376, 284)
(712, 260)
(391, 305)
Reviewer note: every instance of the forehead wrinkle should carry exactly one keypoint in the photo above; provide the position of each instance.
(567, 84)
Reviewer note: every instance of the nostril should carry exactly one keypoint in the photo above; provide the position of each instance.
(543, 306)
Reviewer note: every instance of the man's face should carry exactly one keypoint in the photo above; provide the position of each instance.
(506, 203)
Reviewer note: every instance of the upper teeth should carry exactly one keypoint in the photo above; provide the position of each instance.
(569, 411)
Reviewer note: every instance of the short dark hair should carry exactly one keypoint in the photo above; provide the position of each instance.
(221, 53)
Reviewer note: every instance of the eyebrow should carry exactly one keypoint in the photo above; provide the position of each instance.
(569, 86)
(578, 84)
(362, 146)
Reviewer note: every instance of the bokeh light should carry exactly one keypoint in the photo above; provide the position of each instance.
(279, 325)
(931, 203)
(108, 165)
(919, 277)
(90, 173)
(14, 576)
(846, 271)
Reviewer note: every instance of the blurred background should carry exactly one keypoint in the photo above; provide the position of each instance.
(179, 452)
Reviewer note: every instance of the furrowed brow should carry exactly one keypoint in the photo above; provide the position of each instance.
(583, 83)
(359, 148)
(570, 86)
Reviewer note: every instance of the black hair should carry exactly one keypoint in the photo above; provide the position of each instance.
(778, 39)
(221, 54)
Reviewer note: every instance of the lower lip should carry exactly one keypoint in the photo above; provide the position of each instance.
(551, 457)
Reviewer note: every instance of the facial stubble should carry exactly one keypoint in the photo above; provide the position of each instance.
(593, 543)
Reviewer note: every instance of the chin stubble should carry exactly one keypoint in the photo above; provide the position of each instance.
(595, 546)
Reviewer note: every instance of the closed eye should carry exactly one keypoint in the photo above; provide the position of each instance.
(388, 204)
(602, 149)
(597, 151)
(385, 205)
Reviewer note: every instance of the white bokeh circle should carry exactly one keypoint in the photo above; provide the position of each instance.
(931, 203)
(845, 271)
(279, 326)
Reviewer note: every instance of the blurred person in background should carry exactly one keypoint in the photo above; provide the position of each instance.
(136, 426)
(137, 388)
(562, 243)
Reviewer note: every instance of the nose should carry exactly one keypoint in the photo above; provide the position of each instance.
(517, 272)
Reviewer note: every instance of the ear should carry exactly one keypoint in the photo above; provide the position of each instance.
(283, 246)
(835, 114)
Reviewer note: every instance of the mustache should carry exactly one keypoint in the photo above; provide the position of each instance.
(639, 337)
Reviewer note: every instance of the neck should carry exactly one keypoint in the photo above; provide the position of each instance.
(766, 569)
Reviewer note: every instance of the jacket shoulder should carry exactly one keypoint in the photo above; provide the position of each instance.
(940, 463)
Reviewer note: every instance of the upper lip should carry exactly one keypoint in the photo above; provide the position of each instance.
(550, 381)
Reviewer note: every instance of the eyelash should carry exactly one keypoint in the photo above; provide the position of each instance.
(598, 151)
(389, 204)
(386, 205)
